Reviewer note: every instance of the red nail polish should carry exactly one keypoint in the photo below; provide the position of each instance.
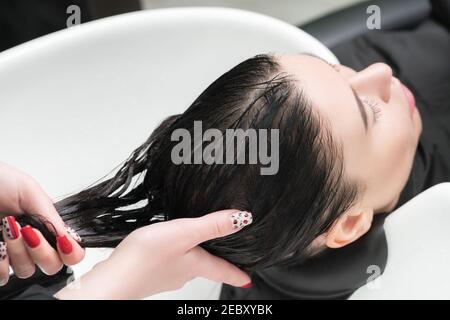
(247, 286)
(10, 226)
(64, 244)
(30, 236)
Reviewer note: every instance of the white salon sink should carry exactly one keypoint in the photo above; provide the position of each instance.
(419, 250)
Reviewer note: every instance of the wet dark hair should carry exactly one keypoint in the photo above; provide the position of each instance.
(290, 209)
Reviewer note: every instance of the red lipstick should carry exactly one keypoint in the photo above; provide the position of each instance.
(410, 97)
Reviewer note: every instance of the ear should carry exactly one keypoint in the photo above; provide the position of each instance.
(349, 227)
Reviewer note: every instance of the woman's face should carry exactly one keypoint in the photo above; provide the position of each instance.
(374, 118)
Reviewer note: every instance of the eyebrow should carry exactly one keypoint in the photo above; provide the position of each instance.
(360, 104)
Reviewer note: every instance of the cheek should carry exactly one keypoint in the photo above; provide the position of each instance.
(395, 150)
(394, 146)
(396, 132)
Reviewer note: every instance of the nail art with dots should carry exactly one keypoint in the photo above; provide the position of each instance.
(10, 227)
(241, 219)
(73, 233)
(3, 254)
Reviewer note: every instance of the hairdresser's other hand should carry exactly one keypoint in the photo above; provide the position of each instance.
(162, 257)
(26, 247)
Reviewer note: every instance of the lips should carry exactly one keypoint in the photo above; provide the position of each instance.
(410, 97)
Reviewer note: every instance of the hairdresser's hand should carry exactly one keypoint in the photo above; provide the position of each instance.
(23, 248)
(162, 257)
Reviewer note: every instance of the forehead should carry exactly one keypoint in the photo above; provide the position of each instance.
(331, 95)
(319, 81)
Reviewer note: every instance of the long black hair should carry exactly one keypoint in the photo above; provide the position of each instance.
(290, 208)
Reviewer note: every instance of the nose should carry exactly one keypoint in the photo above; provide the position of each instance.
(375, 80)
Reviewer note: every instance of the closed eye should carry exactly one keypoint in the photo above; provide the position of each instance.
(373, 104)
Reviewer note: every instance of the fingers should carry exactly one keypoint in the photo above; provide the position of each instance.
(40, 251)
(26, 247)
(69, 250)
(4, 264)
(208, 266)
(21, 262)
(22, 194)
(35, 200)
(215, 225)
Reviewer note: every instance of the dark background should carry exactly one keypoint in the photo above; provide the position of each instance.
(24, 20)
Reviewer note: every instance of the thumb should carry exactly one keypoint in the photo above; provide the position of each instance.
(33, 199)
(215, 225)
(217, 269)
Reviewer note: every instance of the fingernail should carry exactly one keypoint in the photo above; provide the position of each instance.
(73, 234)
(3, 253)
(64, 244)
(241, 219)
(247, 286)
(30, 236)
(10, 226)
